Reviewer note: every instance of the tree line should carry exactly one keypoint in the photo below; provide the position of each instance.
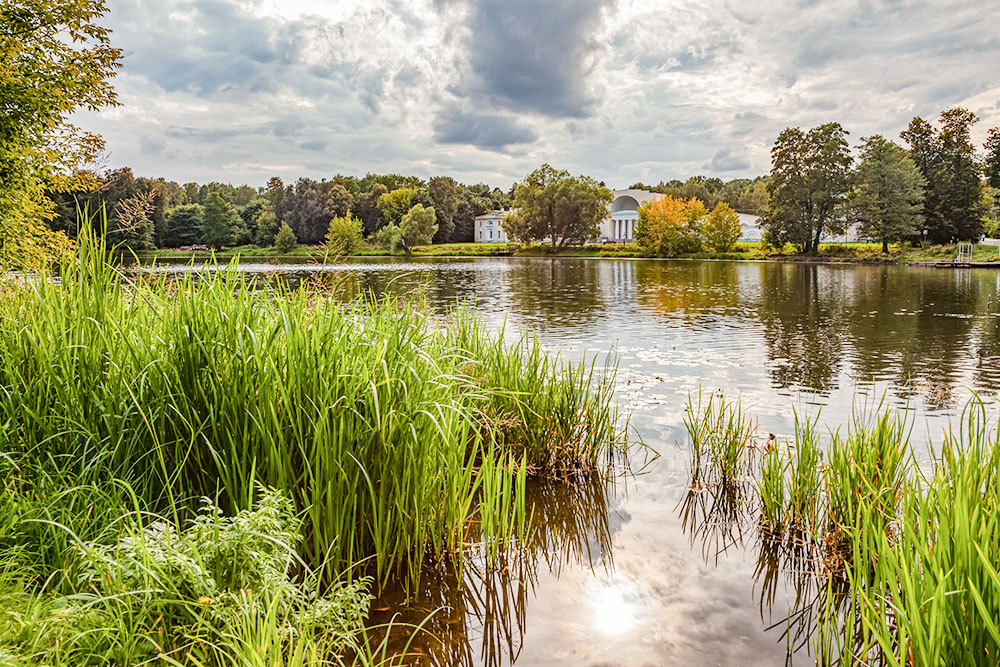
(937, 188)
(148, 213)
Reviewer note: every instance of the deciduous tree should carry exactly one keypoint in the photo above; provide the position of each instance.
(418, 227)
(807, 191)
(953, 203)
(394, 205)
(992, 168)
(992, 161)
(183, 226)
(721, 229)
(366, 208)
(267, 228)
(552, 204)
(670, 226)
(444, 198)
(222, 224)
(55, 59)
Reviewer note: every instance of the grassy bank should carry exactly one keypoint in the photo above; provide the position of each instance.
(323, 436)
(894, 560)
(828, 252)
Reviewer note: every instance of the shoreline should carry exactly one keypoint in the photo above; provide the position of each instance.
(226, 257)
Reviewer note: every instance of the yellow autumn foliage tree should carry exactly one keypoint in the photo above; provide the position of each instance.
(670, 226)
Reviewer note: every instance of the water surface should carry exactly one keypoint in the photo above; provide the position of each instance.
(624, 572)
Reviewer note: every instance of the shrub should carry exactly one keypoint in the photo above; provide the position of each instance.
(389, 237)
(344, 235)
(285, 240)
(217, 583)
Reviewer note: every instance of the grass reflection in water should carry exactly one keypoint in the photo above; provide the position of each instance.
(888, 561)
(483, 608)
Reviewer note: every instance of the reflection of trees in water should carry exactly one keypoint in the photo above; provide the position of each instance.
(691, 289)
(552, 295)
(801, 317)
(987, 371)
(479, 617)
(915, 327)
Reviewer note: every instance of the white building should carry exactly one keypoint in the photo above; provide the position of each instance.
(620, 224)
(750, 226)
(489, 227)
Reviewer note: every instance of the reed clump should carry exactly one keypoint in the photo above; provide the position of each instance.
(902, 556)
(376, 422)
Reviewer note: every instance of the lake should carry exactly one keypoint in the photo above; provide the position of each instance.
(635, 571)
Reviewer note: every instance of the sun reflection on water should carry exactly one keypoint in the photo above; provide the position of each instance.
(615, 605)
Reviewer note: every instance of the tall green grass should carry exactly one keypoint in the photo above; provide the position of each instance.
(391, 433)
(893, 560)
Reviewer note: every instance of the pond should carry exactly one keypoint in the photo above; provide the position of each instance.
(624, 572)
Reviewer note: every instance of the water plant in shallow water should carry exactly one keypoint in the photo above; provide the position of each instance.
(380, 425)
(890, 564)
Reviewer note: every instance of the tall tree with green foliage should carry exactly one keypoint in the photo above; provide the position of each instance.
(267, 228)
(183, 226)
(953, 202)
(992, 161)
(222, 224)
(888, 195)
(55, 59)
(722, 229)
(394, 205)
(418, 227)
(552, 204)
(366, 208)
(992, 168)
(444, 198)
(807, 191)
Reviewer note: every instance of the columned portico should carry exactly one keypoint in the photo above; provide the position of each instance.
(624, 214)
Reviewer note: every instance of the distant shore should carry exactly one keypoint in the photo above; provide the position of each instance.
(841, 253)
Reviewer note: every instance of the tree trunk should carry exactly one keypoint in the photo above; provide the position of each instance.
(406, 248)
(885, 246)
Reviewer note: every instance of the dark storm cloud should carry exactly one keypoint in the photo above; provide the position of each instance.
(487, 131)
(536, 57)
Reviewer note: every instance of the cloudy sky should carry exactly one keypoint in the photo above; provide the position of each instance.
(487, 90)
